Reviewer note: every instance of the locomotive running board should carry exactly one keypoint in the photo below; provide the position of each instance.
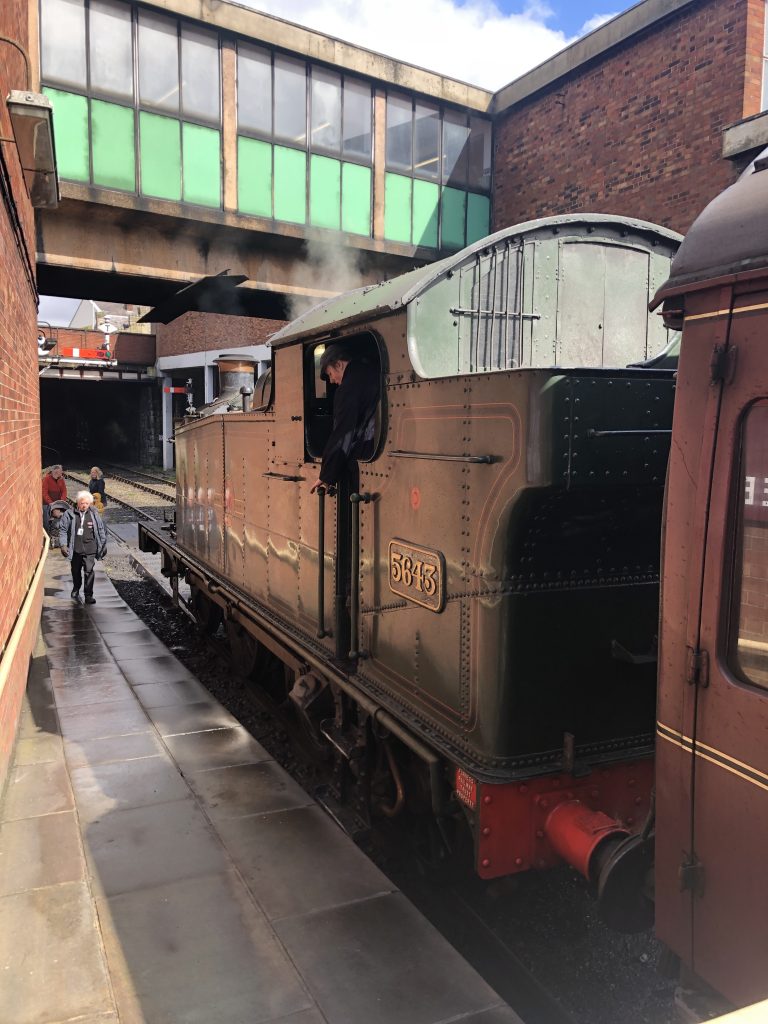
(347, 820)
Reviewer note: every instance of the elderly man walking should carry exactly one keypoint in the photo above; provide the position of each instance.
(83, 541)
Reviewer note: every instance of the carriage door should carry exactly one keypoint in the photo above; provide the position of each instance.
(730, 742)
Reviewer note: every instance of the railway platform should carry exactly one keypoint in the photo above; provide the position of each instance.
(156, 865)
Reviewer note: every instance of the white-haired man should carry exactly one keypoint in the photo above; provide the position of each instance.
(83, 541)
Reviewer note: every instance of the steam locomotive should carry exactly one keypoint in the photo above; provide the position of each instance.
(473, 630)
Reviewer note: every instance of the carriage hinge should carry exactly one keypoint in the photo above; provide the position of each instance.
(691, 875)
(722, 364)
(697, 670)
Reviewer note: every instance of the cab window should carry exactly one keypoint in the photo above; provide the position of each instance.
(749, 618)
(319, 393)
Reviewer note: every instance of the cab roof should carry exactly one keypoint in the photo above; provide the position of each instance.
(729, 238)
(390, 296)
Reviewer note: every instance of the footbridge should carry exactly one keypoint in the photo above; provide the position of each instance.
(194, 137)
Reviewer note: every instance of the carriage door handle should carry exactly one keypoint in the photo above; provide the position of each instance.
(354, 596)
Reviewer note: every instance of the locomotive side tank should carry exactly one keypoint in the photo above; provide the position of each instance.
(492, 587)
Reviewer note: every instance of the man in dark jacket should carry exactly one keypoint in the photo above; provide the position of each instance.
(354, 415)
(83, 540)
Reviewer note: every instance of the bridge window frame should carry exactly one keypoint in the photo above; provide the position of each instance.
(335, 168)
(441, 199)
(92, 109)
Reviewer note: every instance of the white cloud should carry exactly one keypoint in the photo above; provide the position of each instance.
(471, 41)
(595, 22)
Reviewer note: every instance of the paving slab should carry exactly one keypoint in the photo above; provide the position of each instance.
(151, 846)
(47, 947)
(216, 748)
(104, 788)
(41, 749)
(34, 852)
(37, 789)
(114, 719)
(271, 852)
(162, 668)
(497, 1015)
(247, 789)
(105, 749)
(38, 721)
(379, 961)
(152, 937)
(87, 691)
(197, 717)
(170, 694)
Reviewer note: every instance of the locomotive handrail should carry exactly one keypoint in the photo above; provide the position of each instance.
(321, 563)
(354, 595)
(484, 459)
(285, 476)
(624, 433)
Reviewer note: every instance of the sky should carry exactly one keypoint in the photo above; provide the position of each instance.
(483, 42)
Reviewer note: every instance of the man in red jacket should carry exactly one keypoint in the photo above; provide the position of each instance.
(54, 489)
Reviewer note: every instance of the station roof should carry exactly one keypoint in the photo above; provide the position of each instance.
(390, 296)
(728, 238)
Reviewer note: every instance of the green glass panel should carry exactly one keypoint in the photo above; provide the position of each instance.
(478, 217)
(160, 156)
(113, 146)
(356, 199)
(254, 177)
(201, 151)
(397, 208)
(70, 131)
(452, 220)
(325, 192)
(426, 199)
(290, 185)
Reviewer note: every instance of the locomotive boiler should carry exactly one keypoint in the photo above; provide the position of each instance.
(473, 628)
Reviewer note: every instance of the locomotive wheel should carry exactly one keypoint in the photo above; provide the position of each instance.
(208, 614)
(244, 648)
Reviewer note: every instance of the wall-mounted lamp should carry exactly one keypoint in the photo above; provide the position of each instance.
(32, 120)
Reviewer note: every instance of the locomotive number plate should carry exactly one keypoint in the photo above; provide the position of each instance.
(417, 574)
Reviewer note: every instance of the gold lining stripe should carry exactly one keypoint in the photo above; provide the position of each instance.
(733, 760)
(713, 756)
(726, 312)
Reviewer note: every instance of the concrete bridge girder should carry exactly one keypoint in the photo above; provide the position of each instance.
(123, 248)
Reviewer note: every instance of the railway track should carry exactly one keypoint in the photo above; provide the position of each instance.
(115, 471)
(128, 496)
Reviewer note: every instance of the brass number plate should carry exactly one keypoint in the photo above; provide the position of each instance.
(418, 574)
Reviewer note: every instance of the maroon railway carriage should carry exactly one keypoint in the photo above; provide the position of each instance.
(712, 734)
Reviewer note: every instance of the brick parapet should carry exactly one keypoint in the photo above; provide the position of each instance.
(212, 332)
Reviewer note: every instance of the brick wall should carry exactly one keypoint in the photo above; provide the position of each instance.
(198, 332)
(637, 131)
(21, 538)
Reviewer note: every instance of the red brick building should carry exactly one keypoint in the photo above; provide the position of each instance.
(22, 552)
(630, 120)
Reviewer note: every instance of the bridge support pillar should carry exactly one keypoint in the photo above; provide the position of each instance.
(167, 436)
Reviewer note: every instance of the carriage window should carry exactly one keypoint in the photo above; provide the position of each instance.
(749, 633)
